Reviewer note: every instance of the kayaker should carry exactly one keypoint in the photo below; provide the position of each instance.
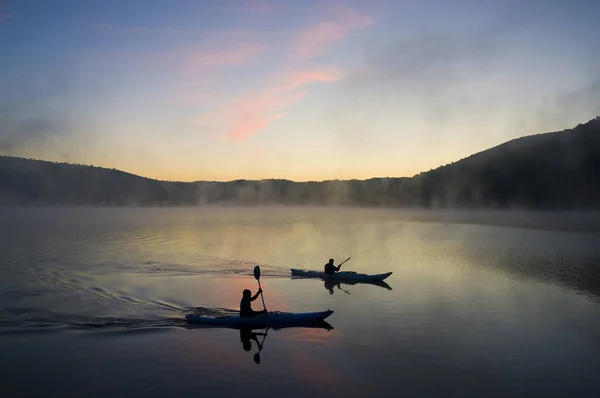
(246, 307)
(331, 269)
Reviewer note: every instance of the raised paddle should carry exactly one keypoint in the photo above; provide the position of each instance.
(343, 262)
(257, 276)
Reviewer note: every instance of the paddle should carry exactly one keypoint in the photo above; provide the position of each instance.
(340, 266)
(257, 276)
(343, 262)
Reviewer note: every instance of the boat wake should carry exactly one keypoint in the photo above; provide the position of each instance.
(36, 320)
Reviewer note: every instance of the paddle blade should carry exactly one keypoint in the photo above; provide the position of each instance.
(257, 272)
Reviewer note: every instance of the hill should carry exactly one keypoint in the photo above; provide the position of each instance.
(552, 170)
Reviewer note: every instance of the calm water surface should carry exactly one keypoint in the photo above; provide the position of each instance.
(503, 304)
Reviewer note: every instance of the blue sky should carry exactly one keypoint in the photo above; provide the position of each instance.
(298, 89)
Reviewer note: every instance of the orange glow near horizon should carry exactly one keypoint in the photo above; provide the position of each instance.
(348, 90)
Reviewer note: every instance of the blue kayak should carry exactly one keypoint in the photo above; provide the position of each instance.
(275, 318)
(341, 275)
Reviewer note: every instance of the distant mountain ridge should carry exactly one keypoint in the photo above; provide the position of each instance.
(558, 170)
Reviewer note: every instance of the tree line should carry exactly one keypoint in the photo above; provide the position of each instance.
(550, 171)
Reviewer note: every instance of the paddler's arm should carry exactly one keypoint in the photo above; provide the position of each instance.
(256, 295)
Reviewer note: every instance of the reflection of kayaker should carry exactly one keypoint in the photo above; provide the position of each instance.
(247, 334)
(246, 337)
(331, 283)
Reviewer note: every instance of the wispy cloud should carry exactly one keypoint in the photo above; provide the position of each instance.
(248, 114)
(217, 56)
(319, 37)
(110, 27)
(201, 48)
(298, 79)
(251, 112)
(220, 36)
(240, 53)
(191, 61)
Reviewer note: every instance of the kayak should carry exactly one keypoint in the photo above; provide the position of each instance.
(275, 318)
(343, 275)
(311, 325)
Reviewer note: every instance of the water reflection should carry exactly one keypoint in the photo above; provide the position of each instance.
(246, 337)
(248, 334)
(331, 284)
(560, 258)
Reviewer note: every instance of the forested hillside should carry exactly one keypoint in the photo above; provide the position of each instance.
(552, 170)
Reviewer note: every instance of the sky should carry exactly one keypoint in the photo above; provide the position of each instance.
(304, 90)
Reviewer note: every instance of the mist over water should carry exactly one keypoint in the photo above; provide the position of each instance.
(479, 303)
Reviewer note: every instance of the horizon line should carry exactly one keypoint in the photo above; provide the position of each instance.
(597, 118)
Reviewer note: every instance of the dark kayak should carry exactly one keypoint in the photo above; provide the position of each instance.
(342, 275)
(273, 319)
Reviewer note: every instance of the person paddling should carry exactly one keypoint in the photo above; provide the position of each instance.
(246, 306)
(331, 269)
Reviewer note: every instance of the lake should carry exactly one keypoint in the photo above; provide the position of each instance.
(480, 304)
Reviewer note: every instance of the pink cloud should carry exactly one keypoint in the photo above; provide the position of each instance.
(235, 54)
(247, 115)
(254, 111)
(222, 36)
(299, 79)
(248, 123)
(201, 82)
(192, 62)
(250, 113)
(213, 48)
(139, 28)
(318, 38)
(209, 61)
